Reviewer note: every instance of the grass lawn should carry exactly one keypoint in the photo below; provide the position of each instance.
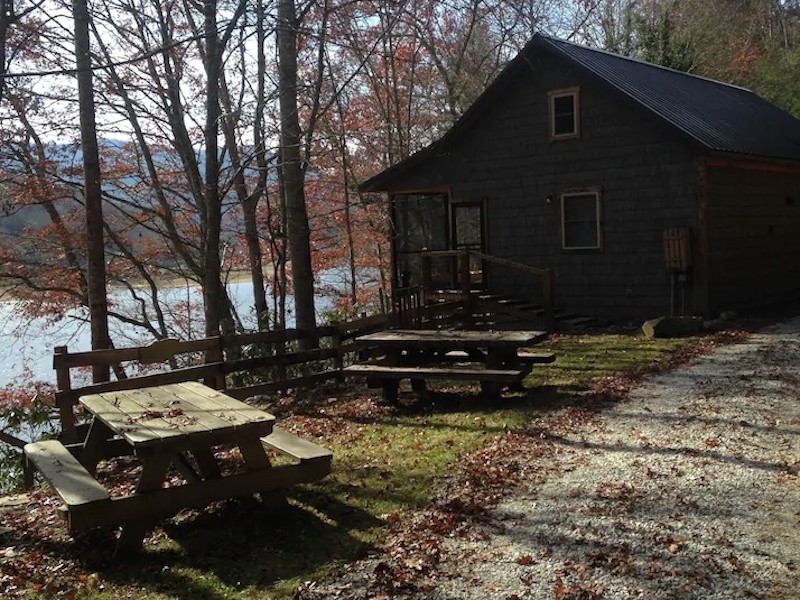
(386, 463)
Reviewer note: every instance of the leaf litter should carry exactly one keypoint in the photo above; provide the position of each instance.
(641, 488)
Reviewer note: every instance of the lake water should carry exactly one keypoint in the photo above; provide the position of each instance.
(27, 347)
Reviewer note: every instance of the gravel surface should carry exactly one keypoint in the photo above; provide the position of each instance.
(687, 489)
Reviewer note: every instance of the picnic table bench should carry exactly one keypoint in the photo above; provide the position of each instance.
(178, 425)
(494, 357)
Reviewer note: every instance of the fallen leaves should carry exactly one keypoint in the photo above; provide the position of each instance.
(578, 590)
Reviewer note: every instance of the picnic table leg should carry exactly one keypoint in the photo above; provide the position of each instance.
(256, 459)
(496, 359)
(209, 468)
(154, 471)
(27, 474)
(418, 385)
(490, 389)
(97, 437)
(390, 390)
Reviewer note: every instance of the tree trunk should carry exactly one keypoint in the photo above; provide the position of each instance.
(248, 200)
(6, 17)
(292, 169)
(95, 245)
(250, 208)
(213, 294)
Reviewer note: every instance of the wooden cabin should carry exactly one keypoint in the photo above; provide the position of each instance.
(644, 189)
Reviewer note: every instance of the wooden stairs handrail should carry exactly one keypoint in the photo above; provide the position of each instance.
(463, 256)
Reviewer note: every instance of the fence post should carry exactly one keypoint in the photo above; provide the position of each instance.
(338, 361)
(64, 384)
(216, 354)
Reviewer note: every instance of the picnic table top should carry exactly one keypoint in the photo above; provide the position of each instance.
(437, 338)
(176, 416)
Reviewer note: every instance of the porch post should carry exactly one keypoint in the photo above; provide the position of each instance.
(427, 277)
(466, 289)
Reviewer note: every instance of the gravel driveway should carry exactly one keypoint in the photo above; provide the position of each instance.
(687, 489)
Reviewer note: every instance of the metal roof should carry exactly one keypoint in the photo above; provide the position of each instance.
(721, 117)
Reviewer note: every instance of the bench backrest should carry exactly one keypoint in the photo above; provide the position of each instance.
(167, 352)
(220, 362)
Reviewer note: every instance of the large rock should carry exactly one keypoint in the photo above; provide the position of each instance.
(670, 327)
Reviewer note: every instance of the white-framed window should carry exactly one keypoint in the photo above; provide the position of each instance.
(564, 113)
(580, 220)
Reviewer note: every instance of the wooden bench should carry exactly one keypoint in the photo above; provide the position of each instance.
(390, 372)
(297, 448)
(524, 356)
(388, 377)
(76, 487)
(536, 358)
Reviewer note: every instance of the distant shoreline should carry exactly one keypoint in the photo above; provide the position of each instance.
(164, 281)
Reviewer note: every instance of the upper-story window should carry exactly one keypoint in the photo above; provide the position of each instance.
(564, 113)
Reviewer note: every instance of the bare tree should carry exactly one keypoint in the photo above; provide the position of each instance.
(95, 238)
(291, 166)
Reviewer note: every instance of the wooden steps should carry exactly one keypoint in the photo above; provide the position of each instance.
(302, 450)
(499, 312)
(575, 323)
(390, 372)
(76, 487)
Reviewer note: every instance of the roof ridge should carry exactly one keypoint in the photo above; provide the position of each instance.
(551, 39)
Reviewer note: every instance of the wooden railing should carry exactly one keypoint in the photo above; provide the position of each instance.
(464, 281)
(243, 365)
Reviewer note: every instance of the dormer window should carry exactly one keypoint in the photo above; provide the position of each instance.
(564, 109)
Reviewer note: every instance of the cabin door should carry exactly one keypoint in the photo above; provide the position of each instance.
(469, 234)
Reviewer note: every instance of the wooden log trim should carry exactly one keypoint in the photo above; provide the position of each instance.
(70, 479)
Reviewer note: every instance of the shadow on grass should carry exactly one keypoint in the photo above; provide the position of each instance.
(438, 402)
(219, 554)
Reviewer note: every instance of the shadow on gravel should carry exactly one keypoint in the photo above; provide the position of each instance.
(728, 423)
(677, 451)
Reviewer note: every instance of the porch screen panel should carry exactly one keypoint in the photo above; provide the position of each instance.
(420, 222)
(468, 234)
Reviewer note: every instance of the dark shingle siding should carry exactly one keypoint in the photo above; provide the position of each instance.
(721, 117)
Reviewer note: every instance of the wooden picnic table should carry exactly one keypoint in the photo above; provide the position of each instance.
(177, 425)
(440, 339)
(418, 354)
